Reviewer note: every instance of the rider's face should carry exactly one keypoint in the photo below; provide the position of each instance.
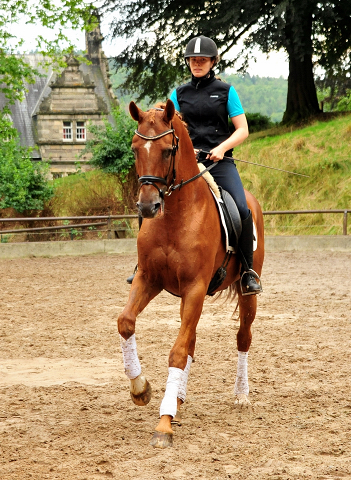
(200, 66)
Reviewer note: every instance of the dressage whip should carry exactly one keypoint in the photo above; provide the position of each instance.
(258, 164)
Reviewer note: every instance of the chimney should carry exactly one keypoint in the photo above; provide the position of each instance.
(93, 41)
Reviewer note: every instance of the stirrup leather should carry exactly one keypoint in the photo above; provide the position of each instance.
(254, 274)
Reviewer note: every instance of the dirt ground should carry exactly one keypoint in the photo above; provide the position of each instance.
(65, 410)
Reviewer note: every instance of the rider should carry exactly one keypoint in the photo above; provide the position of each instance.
(205, 103)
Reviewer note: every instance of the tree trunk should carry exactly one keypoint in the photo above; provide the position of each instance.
(302, 99)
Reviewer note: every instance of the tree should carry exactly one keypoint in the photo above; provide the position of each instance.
(311, 31)
(23, 184)
(15, 72)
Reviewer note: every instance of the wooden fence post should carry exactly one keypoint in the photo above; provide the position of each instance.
(344, 223)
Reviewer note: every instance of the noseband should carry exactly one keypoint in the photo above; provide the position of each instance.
(151, 179)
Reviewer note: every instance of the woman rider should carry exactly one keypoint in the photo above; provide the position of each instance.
(205, 104)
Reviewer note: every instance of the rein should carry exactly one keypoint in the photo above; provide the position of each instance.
(151, 179)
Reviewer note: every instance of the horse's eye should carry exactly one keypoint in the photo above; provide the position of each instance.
(134, 152)
(167, 153)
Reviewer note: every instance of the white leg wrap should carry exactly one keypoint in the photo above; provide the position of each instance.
(241, 383)
(132, 366)
(169, 402)
(184, 380)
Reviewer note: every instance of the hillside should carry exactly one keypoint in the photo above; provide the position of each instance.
(322, 151)
(265, 95)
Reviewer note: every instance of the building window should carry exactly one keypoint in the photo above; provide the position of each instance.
(81, 131)
(67, 131)
(56, 175)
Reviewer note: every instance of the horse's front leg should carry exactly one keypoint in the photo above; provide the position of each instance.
(247, 313)
(180, 360)
(140, 295)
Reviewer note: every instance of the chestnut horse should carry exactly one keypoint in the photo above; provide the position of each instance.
(180, 247)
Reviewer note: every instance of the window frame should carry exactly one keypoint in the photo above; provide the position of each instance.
(81, 130)
(66, 129)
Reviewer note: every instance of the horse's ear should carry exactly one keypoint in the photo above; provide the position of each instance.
(169, 111)
(135, 112)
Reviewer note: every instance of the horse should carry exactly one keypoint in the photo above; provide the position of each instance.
(180, 247)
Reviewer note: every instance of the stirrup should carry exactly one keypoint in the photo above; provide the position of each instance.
(131, 278)
(259, 284)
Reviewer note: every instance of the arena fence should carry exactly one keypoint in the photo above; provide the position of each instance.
(115, 229)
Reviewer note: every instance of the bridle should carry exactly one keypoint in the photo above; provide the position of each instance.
(151, 179)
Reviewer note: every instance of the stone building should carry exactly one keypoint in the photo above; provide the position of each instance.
(53, 118)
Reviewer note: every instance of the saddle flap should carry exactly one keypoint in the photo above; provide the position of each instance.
(232, 218)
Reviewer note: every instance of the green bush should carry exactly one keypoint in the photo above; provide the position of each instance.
(111, 152)
(111, 144)
(23, 184)
(258, 122)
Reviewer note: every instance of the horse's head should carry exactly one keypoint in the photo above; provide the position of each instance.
(154, 145)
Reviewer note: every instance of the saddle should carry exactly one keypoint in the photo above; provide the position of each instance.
(231, 221)
(231, 224)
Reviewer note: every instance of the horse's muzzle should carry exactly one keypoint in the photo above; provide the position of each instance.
(150, 209)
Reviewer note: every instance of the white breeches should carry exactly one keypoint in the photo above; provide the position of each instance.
(241, 382)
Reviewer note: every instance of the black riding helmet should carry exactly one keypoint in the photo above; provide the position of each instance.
(201, 47)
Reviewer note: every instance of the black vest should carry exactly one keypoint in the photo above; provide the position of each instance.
(203, 104)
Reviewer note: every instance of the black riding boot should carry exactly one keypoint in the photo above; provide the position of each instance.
(131, 278)
(250, 282)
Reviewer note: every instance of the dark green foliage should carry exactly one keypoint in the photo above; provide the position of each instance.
(23, 184)
(110, 146)
(334, 89)
(161, 30)
(258, 122)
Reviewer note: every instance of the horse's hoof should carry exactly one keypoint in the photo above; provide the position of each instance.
(143, 398)
(162, 440)
(243, 403)
(177, 420)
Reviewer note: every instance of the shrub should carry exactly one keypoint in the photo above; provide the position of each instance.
(111, 153)
(258, 122)
(23, 184)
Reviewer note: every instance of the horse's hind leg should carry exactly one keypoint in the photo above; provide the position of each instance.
(247, 313)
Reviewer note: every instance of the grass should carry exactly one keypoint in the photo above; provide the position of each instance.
(89, 193)
(321, 151)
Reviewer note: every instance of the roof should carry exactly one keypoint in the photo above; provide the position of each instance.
(22, 112)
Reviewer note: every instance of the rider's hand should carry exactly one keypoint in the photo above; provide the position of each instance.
(216, 154)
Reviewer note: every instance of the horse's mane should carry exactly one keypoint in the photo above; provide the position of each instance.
(178, 114)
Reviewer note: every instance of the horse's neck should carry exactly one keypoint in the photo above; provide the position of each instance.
(193, 193)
